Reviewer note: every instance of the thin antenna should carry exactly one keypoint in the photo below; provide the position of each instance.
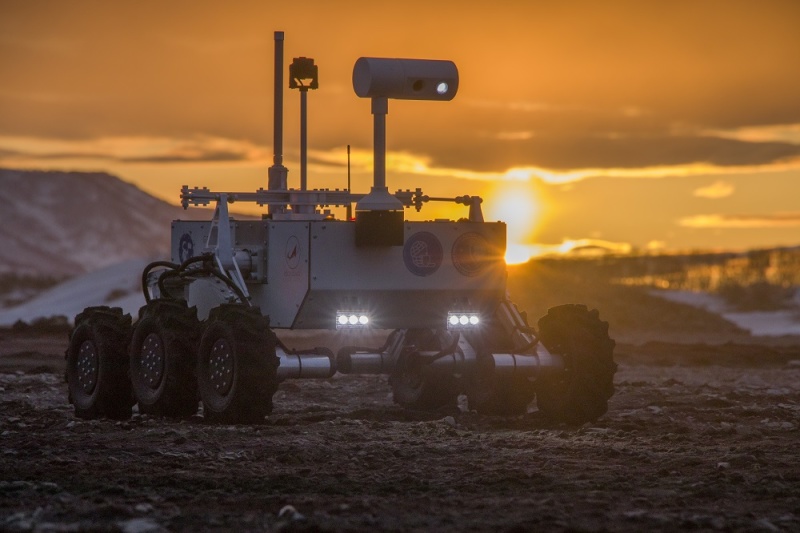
(278, 172)
(349, 205)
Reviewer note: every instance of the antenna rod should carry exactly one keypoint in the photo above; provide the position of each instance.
(278, 172)
(278, 120)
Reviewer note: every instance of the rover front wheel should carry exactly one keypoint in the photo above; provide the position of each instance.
(97, 364)
(579, 394)
(162, 359)
(237, 365)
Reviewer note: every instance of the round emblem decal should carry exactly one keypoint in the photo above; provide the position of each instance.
(292, 252)
(471, 254)
(185, 247)
(422, 254)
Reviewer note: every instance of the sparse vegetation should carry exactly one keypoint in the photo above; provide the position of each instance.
(758, 280)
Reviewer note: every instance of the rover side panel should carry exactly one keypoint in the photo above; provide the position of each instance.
(287, 272)
(441, 266)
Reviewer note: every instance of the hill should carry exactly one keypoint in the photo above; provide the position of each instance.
(59, 224)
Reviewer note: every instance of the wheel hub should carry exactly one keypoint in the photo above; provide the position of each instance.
(411, 371)
(152, 360)
(221, 366)
(88, 366)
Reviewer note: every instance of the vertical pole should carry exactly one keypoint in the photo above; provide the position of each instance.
(278, 172)
(380, 107)
(349, 214)
(277, 134)
(303, 137)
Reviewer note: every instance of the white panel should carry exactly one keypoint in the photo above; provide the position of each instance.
(287, 272)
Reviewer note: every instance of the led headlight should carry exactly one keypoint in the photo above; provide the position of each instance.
(457, 320)
(351, 319)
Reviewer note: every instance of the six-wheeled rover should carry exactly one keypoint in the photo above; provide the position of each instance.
(438, 289)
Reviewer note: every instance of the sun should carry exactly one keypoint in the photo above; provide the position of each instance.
(517, 205)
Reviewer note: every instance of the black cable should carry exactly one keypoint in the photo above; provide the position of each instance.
(182, 271)
(146, 272)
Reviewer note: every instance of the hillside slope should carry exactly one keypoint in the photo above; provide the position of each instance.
(59, 224)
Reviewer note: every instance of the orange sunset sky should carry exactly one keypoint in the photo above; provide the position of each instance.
(640, 125)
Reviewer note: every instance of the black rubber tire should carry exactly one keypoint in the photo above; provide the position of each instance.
(237, 388)
(414, 386)
(162, 359)
(97, 364)
(580, 394)
(489, 394)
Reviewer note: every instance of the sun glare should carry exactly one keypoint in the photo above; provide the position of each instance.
(515, 204)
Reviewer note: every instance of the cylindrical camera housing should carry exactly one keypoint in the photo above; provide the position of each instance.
(405, 79)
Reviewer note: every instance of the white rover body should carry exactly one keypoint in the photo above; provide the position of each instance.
(206, 332)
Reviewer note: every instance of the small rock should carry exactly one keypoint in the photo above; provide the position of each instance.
(50, 486)
(290, 514)
(144, 508)
(140, 525)
(766, 525)
(723, 465)
(450, 421)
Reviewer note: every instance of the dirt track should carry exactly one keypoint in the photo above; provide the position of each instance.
(696, 437)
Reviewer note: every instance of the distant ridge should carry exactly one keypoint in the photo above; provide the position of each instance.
(60, 224)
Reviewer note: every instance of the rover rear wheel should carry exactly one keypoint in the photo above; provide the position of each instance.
(237, 365)
(162, 359)
(490, 394)
(501, 396)
(580, 394)
(414, 386)
(97, 364)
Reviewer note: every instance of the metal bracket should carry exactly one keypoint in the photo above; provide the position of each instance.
(223, 248)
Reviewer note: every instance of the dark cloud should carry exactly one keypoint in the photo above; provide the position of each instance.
(564, 153)
(85, 70)
(198, 156)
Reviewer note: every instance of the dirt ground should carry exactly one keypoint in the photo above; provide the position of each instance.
(697, 437)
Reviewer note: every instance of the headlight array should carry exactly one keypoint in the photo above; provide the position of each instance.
(457, 320)
(351, 319)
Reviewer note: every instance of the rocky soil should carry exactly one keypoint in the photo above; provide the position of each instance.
(697, 437)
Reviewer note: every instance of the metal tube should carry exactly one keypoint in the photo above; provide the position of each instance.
(277, 172)
(533, 365)
(303, 138)
(309, 365)
(380, 108)
(348, 362)
(277, 135)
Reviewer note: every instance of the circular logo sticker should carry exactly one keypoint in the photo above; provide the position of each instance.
(292, 252)
(185, 247)
(471, 254)
(422, 254)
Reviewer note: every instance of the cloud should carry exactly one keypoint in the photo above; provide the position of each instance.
(519, 253)
(718, 189)
(578, 152)
(784, 133)
(200, 149)
(514, 135)
(721, 221)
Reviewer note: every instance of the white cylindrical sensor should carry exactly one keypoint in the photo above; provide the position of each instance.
(405, 79)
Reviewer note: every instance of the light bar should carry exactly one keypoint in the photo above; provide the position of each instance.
(465, 320)
(351, 319)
